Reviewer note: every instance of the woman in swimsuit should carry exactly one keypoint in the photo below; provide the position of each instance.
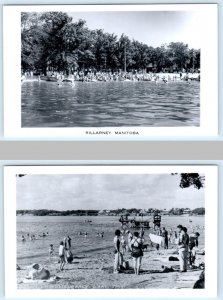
(137, 253)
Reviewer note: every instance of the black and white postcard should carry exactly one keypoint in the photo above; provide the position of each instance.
(110, 71)
(135, 230)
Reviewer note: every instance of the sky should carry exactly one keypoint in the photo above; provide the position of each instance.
(105, 191)
(153, 28)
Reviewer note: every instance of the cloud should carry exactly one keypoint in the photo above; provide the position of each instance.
(107, 191)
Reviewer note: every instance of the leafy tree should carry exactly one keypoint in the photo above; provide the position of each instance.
(199, 211)
(191, 179)
(52, 41)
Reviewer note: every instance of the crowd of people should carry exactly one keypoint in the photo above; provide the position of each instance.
(93, 76)
(135, 245)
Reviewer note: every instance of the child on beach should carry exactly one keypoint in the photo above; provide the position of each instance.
(62, 255)
(51, 250)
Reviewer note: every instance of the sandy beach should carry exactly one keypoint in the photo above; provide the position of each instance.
(92, 267)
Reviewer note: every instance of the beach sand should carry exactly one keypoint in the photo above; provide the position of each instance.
(92, 267)
(96, 271)
(88, 272)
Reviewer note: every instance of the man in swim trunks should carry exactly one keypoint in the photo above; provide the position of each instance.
(118, 254)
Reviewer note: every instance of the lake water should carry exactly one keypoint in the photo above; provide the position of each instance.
(110, 104)
(60, 227)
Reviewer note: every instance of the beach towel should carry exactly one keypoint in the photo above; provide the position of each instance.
(51, 279)
(156, 239)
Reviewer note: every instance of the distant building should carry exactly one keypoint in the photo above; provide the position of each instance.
(186, 211)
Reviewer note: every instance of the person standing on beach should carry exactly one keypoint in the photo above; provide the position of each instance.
(123, 245)
(141, 233)
(183, 247)
(68, 245)
(193, 244)
(130, 236)
(165, 238)
(118, 254)
(62, 255)
(137, 253)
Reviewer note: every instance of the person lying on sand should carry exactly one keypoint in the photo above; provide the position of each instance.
(38, 272)
(43, 235)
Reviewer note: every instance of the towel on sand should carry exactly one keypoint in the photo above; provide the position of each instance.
(51, 279)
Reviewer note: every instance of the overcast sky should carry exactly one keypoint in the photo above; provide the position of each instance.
(153, 28)
(67, 192)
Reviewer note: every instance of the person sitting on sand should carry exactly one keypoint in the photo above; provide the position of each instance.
(51, 250)
(23, 238)
(118, 254)
(62, 255)
(137, 253)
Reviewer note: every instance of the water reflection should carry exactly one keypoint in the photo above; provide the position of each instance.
(110, 104)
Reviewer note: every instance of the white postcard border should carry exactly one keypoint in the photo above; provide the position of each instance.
(211, 231)
(208, 84)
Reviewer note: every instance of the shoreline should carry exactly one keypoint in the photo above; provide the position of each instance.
(96, 272)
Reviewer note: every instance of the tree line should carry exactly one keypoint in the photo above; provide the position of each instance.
(92, 212)
(51, 41)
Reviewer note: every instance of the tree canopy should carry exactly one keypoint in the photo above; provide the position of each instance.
(52, 41)
(191, 179)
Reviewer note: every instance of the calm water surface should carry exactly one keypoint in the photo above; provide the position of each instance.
(110, 104)
(59, 227)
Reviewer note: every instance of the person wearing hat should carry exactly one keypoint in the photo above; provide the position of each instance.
(183, 247)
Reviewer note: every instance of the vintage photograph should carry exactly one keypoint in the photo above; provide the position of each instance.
(110, 72)
(98, 228)
(111, 69)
